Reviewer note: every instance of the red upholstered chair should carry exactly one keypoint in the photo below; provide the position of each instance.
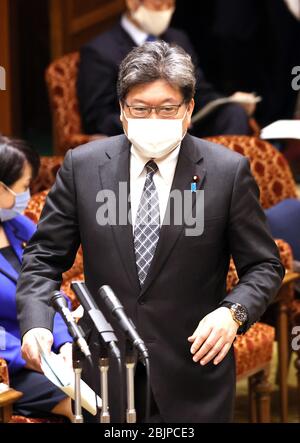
(253, 355)
(7, 395)
(4, 378)
(61, 78)
(269, 167)
(47, 174)
(253, 351)
(276, 183)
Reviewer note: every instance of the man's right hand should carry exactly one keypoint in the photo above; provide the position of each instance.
(30, 350)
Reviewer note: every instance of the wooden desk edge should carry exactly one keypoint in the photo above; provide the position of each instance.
(9, 396)
(290, 277)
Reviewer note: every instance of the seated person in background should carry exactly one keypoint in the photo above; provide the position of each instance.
(284, 222)
(100, 60)
(18, 166)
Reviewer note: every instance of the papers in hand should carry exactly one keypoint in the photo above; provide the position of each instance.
(214, 104)
(56, 370)
(282, 129)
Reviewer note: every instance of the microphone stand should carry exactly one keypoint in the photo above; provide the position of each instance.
(77, 366)
(108, 346)
(103, 368)
(130, 363)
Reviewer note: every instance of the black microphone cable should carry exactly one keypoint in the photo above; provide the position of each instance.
(148, 389)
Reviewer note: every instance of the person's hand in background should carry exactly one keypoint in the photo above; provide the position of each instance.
(30, 348)
(246, 100)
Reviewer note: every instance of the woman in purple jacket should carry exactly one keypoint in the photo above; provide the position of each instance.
(18, 165)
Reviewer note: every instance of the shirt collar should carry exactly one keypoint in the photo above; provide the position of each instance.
(168, 164)
(164, 164)
(138, 36)
(139, 162)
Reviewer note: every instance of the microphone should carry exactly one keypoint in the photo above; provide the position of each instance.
(117, 310)
(103, 327)
(59, 303)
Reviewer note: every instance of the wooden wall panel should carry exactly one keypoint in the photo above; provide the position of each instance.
(83, 7)
(9, 59)
(74, 22)
(6, 124)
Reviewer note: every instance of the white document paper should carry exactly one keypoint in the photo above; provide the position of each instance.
(214, 104)
(56, 370)
(3, 388)
(282, 129)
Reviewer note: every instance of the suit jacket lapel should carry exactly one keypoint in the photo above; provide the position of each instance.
(189, 165)
(113, 171)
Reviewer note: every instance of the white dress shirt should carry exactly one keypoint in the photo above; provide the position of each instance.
(163, 179)
(138, 36)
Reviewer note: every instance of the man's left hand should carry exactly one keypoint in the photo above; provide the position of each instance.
(213, 337)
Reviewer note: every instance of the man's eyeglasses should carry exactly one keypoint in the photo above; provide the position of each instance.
(166, 111)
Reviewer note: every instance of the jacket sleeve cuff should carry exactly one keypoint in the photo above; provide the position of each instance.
(60, 333)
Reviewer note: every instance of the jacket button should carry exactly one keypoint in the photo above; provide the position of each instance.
(142, 302)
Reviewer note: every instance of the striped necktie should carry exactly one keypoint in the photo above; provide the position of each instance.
(147, 226)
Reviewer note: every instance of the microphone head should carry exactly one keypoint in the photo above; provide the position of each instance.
(109, 298)
(58, 299)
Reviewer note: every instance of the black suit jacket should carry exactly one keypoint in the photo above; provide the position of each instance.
(98, 74)
(187, 278)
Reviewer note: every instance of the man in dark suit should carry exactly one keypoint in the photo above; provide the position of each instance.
(100, 60)
(169, 273)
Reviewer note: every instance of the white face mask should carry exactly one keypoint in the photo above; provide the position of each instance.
(153, 137)
(153, 22)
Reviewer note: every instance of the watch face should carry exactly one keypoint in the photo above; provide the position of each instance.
(240, 313)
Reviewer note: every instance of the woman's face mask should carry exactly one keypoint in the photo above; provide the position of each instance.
(153, 22)
(21, 202)
(153, 137)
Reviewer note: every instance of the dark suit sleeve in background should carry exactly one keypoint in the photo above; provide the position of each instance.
(50, 253)
(253, 249)
(97, 94)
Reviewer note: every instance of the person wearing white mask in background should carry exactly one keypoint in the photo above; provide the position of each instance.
(146, 20)
(172, 284)
(19, 164)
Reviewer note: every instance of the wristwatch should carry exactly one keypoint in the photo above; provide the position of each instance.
(239, 312)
